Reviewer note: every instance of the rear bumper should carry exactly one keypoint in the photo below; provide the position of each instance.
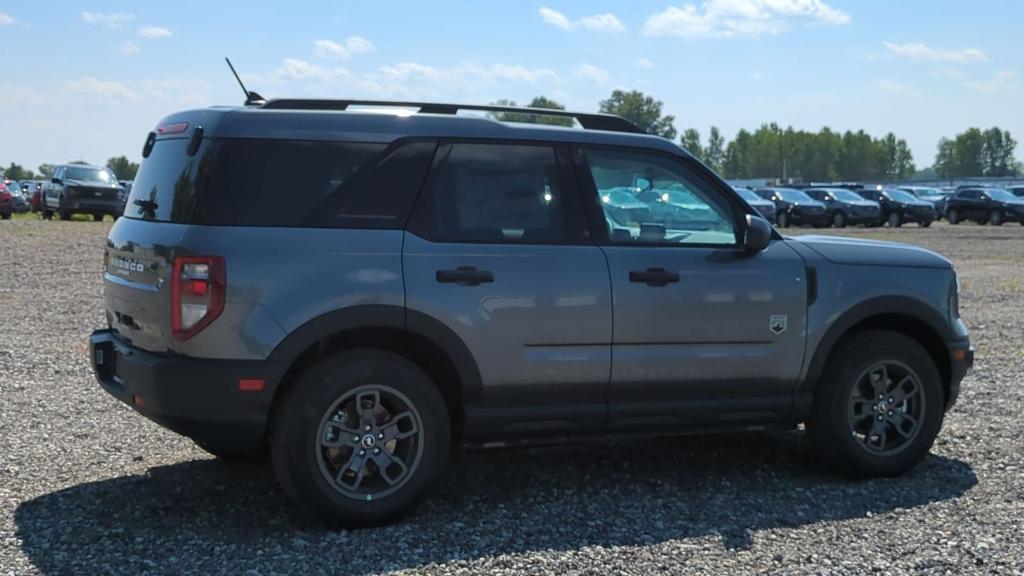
(961, 360)
(198, 398)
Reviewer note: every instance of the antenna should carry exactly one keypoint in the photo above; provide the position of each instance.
(251, 98)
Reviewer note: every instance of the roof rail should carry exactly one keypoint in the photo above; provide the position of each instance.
(588, 121)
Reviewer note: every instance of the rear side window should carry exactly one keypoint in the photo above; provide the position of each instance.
(280, 183)
(495, 193)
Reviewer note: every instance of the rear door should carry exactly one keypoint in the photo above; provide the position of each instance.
(704, 332)
(497, 251)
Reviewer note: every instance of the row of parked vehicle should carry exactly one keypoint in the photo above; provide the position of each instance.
(73, 189)
(850, 204)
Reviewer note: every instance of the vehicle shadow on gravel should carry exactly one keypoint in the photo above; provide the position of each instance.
(215, 517)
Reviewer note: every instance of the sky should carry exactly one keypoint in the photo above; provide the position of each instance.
(88, 81)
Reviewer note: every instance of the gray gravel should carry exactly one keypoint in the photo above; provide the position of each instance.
(87, 486)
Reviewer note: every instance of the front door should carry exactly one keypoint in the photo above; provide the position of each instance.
(498, 251)
(704, 332)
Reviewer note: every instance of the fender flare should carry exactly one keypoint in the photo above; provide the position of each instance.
(414, 324)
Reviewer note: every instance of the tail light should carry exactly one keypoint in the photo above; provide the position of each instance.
(197, 293)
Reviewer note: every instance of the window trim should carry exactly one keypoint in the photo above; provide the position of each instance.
(577, 232)
(595, 214)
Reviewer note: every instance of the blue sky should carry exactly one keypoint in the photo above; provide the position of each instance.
(89, 80)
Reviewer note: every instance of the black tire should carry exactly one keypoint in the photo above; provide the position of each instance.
(839, 220)
(829, 426)
(239, 456)
(302, 418)
(925, 223)
(894, 220)
(97, 217)
(782, 220)
(995, 218)
(952, 216)
(64, 214)
(47, 215)
(6, 215)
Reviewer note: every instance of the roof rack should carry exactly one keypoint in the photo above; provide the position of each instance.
(607, 122)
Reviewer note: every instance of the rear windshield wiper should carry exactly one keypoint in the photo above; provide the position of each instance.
(145, 205)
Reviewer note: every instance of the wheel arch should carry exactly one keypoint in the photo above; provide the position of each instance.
(904, 315)
(419, 338)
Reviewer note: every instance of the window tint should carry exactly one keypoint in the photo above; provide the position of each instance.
(166, 184)
(495, 193)
(647, 198)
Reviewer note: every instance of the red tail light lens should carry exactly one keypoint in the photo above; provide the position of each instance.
(197, 293)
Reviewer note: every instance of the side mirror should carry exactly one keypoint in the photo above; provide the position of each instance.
(55, 180)
(757, 235)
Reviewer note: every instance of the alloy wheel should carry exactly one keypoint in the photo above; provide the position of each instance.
(886, 408)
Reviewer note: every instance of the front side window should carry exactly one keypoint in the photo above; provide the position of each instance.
(496, 193)
(651, 199)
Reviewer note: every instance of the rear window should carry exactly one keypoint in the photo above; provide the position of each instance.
(250, 182)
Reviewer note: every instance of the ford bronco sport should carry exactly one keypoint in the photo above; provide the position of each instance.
(360, 293)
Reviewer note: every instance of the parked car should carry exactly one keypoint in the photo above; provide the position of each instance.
(1015, 190)
(930, 194)
(764, 207)
(438, 279)
(80, 188)
(985, 206)
(844, 207)
(34, 195)
(6, 201)
(18, 203)
(792, 206)
(898, 207)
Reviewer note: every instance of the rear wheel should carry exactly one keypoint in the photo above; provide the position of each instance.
(995, 218)
(360, 438)
(6, 215)
(894, 220)
(64, 214)
(952, 216)
(839, 220)
(97, 217)
(878, 407)
(924, 223)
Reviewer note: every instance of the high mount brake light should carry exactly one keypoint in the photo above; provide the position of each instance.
(198, 285)
(176, 128)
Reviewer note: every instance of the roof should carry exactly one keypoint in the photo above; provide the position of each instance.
(323, 123)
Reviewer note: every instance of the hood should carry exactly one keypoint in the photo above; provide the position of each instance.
(841, 250)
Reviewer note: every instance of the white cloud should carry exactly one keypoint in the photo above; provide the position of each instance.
(592, 73)
(512, 72)
(177, 92)
(644, 63)
(103, 90)
(1003, 80)
(6, 18)
(296, 69)
(17, 95)
(730, 18)
(352, 45)
(153, 32)
(129, 48)
(917, 51)
(111, 20)
(895, 88)
(596, 23)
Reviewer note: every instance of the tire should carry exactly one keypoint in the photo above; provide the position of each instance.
(97, 217)
(842, 411)
(894, 220)
(952, 216)
(47, 215)
(64, 214)
(317, 477)
(995, 218)
(6, 216)
(783, 220)
(839, 220)
(924, 223)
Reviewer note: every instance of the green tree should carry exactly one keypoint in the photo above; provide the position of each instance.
(974, 152)
(690, 141)
(642, 110)
(714, 153)
(123, 168)
(17, 172)
(45, 170)
(537, 102)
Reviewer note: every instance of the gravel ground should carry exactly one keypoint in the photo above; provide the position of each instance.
(87, 486)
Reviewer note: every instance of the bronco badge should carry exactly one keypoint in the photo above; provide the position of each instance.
(777, 323)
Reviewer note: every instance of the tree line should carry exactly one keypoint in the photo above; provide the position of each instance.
(121, 166)
(771, 151)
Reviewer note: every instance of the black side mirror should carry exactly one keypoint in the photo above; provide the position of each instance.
(55, 180)
(757, 235)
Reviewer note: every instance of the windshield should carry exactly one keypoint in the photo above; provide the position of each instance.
(847, 196)
(900, 196)
(88, 174)
(793, 195)
(749, 195)
(1003, 195)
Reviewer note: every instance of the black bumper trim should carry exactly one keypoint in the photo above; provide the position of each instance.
(194, 397)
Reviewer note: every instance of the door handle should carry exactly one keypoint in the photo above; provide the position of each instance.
(465, 276)
(654, 277)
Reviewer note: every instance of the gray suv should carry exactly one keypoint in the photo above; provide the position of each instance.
(432, 280)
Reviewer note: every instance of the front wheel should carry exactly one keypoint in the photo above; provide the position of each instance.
(782, 220)
(839, 220)
(878, 407)
(952, 216)
(97, 217)
(995, 218)
(924, 223)
(360, 438)
(894, 220)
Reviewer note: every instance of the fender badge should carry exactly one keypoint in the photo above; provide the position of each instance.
(777, 323)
